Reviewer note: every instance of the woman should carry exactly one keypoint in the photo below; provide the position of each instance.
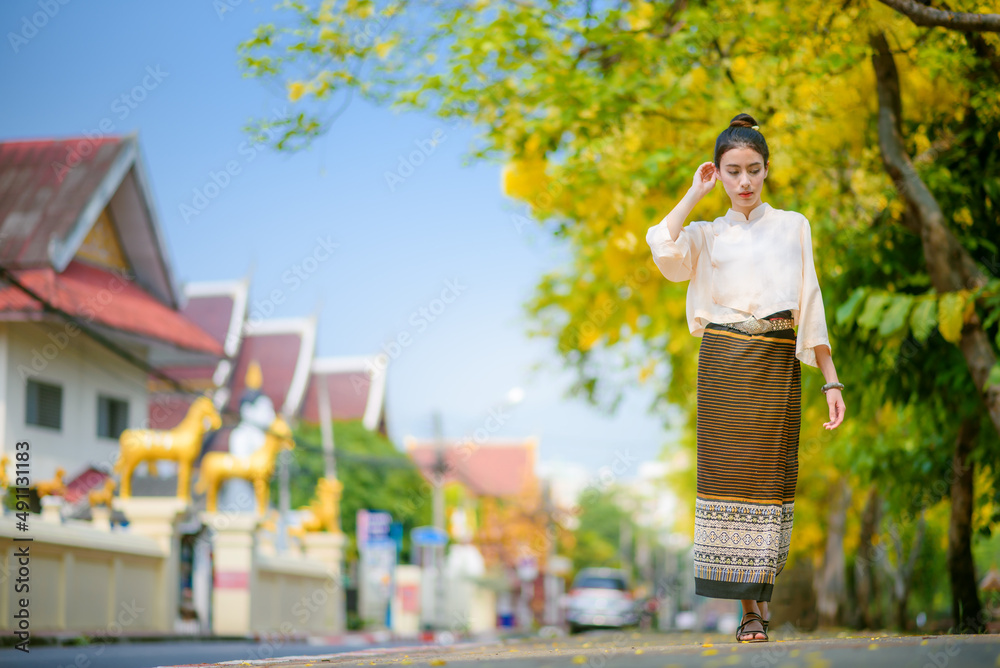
(752, 280)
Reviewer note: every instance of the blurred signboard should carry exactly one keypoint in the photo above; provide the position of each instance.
(429, 536)
(377, 549)
(374, 528)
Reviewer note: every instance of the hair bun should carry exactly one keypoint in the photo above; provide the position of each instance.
(743, 121)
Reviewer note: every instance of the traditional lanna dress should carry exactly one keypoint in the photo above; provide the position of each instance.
(749, 386)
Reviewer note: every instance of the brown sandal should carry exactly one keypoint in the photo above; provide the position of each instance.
(753, 617)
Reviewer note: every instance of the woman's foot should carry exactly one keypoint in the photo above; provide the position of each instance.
(765, 613)
(751, 628)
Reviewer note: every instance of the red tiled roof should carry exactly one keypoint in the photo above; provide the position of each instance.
(348, 392)
(212, 313)
(78, 487)
(277, 355)
(40, 201)
(101, 296)
(494, 469)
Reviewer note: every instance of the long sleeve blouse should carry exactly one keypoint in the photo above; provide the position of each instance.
(746, 265)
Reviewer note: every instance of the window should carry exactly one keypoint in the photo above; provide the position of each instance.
(44, 405)
(112, 417)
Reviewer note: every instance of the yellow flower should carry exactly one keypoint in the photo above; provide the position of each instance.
(382, 49)
(295, 90)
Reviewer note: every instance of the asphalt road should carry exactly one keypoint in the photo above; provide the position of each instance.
(593, 650)
(857, 652)
(151, 654)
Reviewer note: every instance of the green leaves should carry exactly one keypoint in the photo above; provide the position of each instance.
(847, 311)
(994, 377)
(872, 312)
(894, 316)
(923, 319)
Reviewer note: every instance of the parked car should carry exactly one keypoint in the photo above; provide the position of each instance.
(600, 597)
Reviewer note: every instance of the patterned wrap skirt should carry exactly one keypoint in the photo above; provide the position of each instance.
(748, 420)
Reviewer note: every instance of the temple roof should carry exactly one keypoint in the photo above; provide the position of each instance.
(53, 191)
(355, 389)
(498, 468)
(284, 349)
(128, 309)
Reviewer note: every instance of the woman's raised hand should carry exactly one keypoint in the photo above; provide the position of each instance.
(704, 179)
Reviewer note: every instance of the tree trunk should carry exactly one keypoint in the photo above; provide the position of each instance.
(902, 574)
(949, 264)
(831, 590)
(965, 607)
(866, 564)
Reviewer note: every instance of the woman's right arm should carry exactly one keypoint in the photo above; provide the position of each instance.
(676, 252)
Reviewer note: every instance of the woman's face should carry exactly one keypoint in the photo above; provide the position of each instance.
(742, 172)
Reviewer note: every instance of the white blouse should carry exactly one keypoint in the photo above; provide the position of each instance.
(741, 265)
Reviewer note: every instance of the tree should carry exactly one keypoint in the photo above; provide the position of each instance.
(952, 269)
(374, 473)
(598, 536)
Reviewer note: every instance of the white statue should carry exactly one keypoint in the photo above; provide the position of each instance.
(256, 415)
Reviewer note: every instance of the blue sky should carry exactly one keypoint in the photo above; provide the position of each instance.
(396, 247)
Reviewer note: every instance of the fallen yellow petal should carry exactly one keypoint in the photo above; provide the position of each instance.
(579, 658)
(710, 652)
(873, 646)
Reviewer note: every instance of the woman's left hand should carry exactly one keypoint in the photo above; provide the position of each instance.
(835, 400)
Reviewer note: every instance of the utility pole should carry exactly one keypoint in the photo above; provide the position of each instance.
(625, 544)
(440, 469)
(326, 428)
(551, 580)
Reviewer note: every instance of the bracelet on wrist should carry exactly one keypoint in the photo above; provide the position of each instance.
(832, 386)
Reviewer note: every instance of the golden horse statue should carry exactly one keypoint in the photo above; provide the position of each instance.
(324, 509)
(55, 486)
(217, 467)
(96, 497)
(181, 444)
